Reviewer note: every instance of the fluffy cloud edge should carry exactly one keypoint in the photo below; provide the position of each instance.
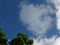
(47, 41)
(30, 15)
(57, 6)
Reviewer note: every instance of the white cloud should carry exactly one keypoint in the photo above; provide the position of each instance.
(57, 5)
(57, 41)
(36, 18)
(45, 41)
(55, 2)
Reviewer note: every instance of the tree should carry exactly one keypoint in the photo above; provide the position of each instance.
(21, 39)
(3, 39)
(30, 42)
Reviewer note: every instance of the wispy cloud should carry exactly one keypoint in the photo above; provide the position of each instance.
(36, 18)
(57, 6)
(47, 41)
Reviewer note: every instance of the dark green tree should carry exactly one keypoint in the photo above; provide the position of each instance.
(3, 39)
(21, 39)
(30, 42)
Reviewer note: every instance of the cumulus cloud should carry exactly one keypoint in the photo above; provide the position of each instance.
(55, 2)
(36, 18)
(57, 5)
(47, 41)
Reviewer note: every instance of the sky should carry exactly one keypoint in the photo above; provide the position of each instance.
(39, 19)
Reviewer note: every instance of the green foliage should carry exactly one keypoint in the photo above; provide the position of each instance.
(30, 42)
(21, 39)
(25, 38)
(3, 40)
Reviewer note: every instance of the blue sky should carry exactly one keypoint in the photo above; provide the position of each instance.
(9, 18)
(12, 18)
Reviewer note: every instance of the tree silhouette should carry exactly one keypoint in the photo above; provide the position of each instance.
(30, 42)
(21, 39)
(3, 39)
